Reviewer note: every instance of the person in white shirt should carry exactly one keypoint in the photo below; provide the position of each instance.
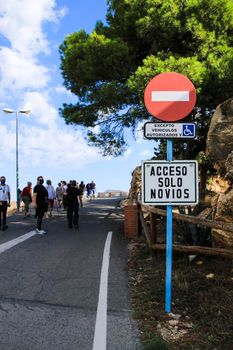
(51, 196)
(5, 202)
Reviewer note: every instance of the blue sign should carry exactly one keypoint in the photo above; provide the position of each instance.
(188, 130)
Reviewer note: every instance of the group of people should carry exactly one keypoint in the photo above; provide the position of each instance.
(70, 195)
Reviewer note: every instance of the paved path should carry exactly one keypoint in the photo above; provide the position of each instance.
(50, 286)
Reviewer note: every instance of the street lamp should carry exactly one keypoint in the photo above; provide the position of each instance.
(23, 111)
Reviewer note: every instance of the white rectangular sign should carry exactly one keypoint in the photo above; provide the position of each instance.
(166, 183)
(169, 96)
(169, 130)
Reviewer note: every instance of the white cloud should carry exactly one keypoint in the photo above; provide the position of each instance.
(7, 144)
(21, 23)
(18, 72)
(42, 110)
(26, 83)
(145, 153)
(127, 153)
(62, 90)
(56, 148)
(96, 129)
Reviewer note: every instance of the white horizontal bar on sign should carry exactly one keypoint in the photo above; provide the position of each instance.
(169, 96)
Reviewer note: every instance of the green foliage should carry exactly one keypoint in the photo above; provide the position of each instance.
(205, 164)
(109, 68)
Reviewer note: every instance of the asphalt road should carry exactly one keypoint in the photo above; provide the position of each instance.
(49, 285)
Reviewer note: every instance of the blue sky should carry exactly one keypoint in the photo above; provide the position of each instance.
(30, 77)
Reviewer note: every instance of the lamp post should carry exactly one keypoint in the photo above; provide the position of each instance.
(23, 111)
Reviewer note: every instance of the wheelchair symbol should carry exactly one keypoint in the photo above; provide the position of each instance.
(188, 130)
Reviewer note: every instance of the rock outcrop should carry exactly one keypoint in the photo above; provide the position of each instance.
(219, 142)
(219, 148)
(135, 188)
(136, 184)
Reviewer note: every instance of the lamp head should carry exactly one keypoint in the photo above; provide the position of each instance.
(8, 110)
(25, 111)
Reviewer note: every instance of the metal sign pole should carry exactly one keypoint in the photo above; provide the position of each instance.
(169, 97)
(169, 242)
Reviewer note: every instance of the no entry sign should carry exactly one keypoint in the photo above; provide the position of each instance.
(170, 96)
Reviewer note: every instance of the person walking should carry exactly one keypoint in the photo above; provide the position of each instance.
(93, 189)
(59, 194)
(64, 188)
(72, 195)
(5, 202)
(51, 196)
(88, 188)
(81, 188)
(40, 201)
(26, 197)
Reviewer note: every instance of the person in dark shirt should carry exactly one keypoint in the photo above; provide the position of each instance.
(92, 188)
(81, 188)
(88, 188)
(72, 195)
(40, 201)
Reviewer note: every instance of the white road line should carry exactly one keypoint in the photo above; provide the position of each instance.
(169, 96)
(7, 245)
(100, 337)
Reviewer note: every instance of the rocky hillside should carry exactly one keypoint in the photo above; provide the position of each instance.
(219, 148)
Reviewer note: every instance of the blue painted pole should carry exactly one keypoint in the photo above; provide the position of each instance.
(168, 293)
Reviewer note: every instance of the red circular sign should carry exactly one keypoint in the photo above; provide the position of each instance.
(170, 96)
